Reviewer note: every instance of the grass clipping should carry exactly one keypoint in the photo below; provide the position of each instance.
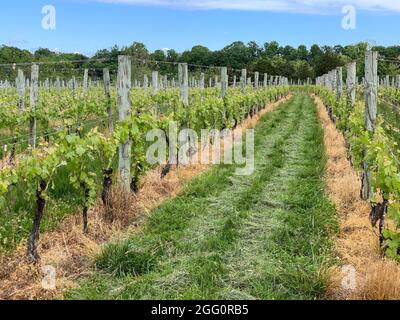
(357, 245)
(68, 254)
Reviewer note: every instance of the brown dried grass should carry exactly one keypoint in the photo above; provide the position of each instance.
(357, 244)
(71, 252)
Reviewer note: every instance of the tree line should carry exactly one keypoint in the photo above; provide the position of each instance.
(272, 58)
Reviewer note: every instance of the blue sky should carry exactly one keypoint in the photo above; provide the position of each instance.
(88, 25)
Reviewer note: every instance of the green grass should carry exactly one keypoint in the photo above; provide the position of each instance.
(264, 236)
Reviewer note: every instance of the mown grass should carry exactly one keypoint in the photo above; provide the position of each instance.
(264, 236)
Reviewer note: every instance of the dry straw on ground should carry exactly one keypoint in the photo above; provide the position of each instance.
(357, 244)
(71, 252)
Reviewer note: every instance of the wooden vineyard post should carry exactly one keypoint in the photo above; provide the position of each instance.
(33, 102)
(326, 81)
(387, 81)
(74, 84)
(329, 80)
(234, 81)
(154, 81)
(265, 80)
(371, 105)
(351, 83)
(339, 83)
(107, 91)
(256, 79)
(160, 82)
(243, 79)
(165, 82)
(202, 80)
(183, 78)
(145, 82)
(224, 86)
(334, 81)
(123, 86)
(21, 90)
(86, 80)
(224, 81)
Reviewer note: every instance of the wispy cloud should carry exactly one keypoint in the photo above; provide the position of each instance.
(17, 43)
(295, 6)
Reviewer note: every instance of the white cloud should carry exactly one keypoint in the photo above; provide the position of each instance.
(296, 6)
(17, 43)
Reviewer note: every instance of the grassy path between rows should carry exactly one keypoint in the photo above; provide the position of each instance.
(264, 236)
